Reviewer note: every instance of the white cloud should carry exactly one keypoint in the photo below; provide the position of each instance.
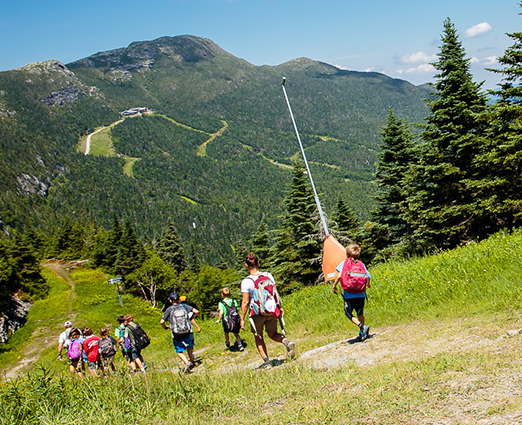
(474, 59)
(477, 30)
(344, 68)
(418, 57)
(424, 68)
(371, 69)
(490, 60)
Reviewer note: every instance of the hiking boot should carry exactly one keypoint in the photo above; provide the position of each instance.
(240, 348)
(266, 365)
(290, 348)
(364, 332)
(227, 346)
(188, 367)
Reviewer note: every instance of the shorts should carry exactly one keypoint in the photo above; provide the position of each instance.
(127, 355)
(181, 344)
(107, 361)
(351, 304)
(267, 322)
(135, 353)
(76, 363)
(94, 365)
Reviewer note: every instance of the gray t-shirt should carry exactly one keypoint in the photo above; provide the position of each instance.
(168, 313)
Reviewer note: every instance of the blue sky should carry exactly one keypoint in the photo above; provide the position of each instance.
(398, 38)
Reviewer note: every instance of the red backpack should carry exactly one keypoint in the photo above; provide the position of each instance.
(354, 276)
(265, 299)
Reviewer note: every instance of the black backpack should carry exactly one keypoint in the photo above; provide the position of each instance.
(231, 320)
(141, 340)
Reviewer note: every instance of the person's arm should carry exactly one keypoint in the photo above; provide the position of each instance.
(195, 325)
(245, 301)
(220, 313)
(334, 286)
(163, 324)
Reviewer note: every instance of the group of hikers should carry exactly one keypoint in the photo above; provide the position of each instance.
(97, 353)
(260, 300)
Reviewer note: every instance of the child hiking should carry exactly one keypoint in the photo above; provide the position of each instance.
(74, 347)
(229, 316)
(108, 347)
(91, 348)
(354, 279)
(260, 297)
(137, 340)
(179, 317)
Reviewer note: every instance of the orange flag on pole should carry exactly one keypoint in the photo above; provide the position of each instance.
(333, 254)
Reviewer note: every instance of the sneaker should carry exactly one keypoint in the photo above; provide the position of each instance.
(290, 348)
(187, 367)
(227, 346)
(364, 332)
(266, 365)
(240, 348)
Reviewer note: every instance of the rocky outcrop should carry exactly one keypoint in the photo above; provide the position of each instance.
(68, 94)
(13, 315)
(32, 184)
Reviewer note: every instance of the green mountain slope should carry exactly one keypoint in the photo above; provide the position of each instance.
(46, 109)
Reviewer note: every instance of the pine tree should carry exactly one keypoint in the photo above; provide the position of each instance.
(498, 188)
(241, 252)
(261, 244)
(347, 220)
(170, 248)
(113, 243)
(439, 207)
(396, 157)
(131, 253)
(297, 250)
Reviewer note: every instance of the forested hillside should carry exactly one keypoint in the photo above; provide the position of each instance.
(226, 186)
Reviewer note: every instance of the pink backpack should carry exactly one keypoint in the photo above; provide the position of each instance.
(353, 276)
(265, 299)
(74, 350)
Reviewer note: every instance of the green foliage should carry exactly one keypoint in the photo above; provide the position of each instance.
(438, 206)
(170, 247)
(298, 243)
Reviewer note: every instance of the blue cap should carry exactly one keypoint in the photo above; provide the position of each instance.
(174, 296)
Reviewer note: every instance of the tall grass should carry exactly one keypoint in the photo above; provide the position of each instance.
(478, 279)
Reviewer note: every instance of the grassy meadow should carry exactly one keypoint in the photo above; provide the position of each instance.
(474, 289)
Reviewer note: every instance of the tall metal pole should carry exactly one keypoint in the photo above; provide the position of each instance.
(319, 208)
(196, 264)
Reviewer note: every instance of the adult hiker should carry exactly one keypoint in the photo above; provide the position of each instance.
(136, 359)
(354, 279)
(229, 316)
(178, 315)
(63, 337)
(265, 309)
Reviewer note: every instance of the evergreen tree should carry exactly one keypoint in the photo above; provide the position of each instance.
(438, 206)
(170, 248)
(396, 157)
(347, 221)
(297, 251)
(241, 254)
(194, 260)
(261, 245)
(131, 253)
(498, 184)
(113, 243)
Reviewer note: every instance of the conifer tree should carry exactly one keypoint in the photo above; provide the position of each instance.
(241, 254)
(170, 248)
(347, 221)
(297, 250)
(113, 243)
(131, 253)
(498, 188)
(439, 208)
(396, 157)
(260, 244)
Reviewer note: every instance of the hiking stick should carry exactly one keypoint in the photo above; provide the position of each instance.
(253, 325)
(282, 323)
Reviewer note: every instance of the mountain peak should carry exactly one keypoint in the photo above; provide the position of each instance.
(143, 54)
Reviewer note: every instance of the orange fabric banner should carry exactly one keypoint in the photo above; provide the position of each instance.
(333, 254)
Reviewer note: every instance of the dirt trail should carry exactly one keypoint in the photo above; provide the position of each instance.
(44, 336)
